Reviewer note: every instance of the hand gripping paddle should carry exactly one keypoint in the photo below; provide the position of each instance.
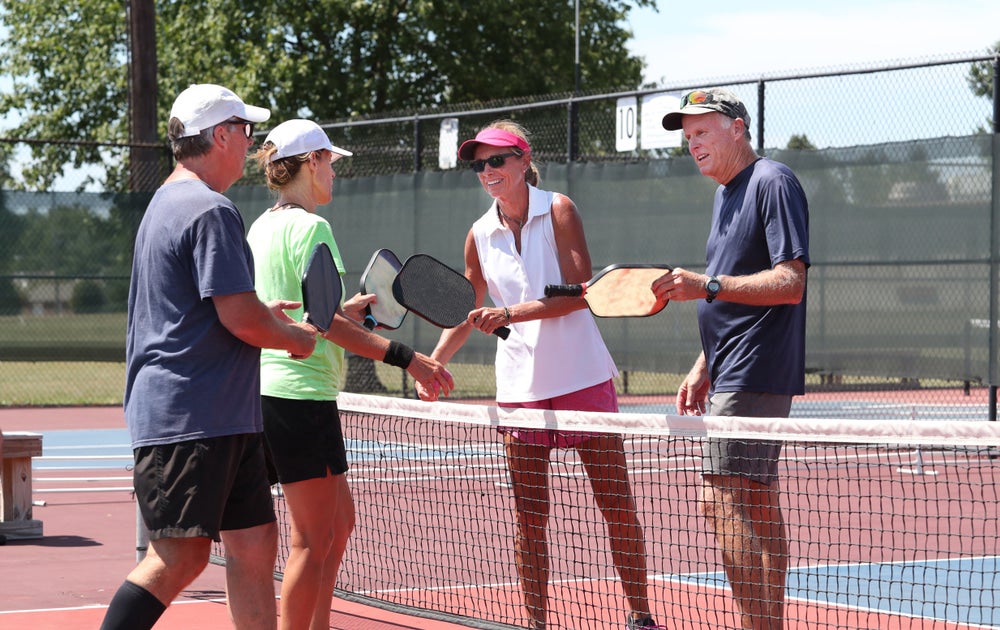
(436, 292)
(386, 312)
(321, 288)
(617, 291)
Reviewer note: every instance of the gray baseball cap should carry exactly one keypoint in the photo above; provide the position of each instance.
(703, 102)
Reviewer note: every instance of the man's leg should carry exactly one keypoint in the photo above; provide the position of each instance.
(250, 556)
(750, 532)
(169, 566)
(740, 499)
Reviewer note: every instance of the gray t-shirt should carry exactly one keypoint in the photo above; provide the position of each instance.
(187, 376)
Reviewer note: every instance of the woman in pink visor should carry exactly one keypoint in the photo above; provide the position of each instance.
(554, 358)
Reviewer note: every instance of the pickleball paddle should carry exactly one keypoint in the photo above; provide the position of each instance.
(377, 278)
(436, 292)
(321, 288)
(617, 291)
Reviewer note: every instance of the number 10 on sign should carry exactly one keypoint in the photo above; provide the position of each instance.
(626, 124)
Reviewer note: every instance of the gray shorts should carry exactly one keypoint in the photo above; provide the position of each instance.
(756, 460)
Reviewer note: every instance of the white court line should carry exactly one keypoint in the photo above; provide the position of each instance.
(214, 600)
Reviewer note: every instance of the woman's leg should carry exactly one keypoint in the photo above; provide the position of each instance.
(603, 459)
(528, 465)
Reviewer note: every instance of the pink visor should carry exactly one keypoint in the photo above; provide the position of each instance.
(492, 137)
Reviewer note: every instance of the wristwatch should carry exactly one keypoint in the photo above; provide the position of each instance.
(712, 288)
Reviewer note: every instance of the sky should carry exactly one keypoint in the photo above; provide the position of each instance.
(690, 44)
(690, 39)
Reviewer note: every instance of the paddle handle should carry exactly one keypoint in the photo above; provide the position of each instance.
(503, 332)
(565, 290)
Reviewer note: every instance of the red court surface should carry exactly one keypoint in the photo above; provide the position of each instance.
(66, 579)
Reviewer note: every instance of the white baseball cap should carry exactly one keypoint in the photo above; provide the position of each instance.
(205, 105)
(298, 136)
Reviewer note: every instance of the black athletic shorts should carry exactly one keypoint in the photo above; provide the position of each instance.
(198, 488)
(304, 439)
(755, 459)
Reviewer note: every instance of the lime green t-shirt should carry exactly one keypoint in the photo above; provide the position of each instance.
(282, 241)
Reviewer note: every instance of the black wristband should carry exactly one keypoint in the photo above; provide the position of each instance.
(398, 354)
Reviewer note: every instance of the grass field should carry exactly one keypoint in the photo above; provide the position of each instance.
(53, 383)
(67, 383)
(77, 359)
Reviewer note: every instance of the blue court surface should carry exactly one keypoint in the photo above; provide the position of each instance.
(92, 449)
(959, 590)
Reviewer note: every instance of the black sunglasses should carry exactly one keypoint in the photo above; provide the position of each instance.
(247, 127)
(495, 161)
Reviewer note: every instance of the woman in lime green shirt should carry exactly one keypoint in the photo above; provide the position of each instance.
(299, 397)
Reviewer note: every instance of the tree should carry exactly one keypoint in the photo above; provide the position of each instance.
(327, 60)
(800, 143)
(981, 78)
(981, 75)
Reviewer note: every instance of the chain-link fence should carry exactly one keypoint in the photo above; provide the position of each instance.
(899, 165)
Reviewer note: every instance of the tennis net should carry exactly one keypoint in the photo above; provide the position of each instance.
(891, 523)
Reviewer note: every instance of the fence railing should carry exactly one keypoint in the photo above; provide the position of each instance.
(903, 188)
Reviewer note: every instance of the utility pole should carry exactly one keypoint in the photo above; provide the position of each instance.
(144, 165)
(573, 110)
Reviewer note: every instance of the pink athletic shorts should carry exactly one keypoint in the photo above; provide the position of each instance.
(600, 397)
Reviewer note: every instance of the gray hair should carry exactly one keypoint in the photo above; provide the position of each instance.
(191, 146)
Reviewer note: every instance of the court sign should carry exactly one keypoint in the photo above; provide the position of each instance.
(448, 144)
(627, 124)
(654, 108)
(633, 119)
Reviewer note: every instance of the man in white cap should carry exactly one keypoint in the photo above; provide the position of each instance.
(192, 393)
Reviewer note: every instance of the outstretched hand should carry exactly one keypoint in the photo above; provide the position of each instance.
(679, 285)
(303, 335)
(433, 379)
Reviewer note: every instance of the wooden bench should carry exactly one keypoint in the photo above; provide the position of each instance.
(16, 451)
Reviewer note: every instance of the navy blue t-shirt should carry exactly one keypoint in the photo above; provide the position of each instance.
(187, 376)
(759, 219)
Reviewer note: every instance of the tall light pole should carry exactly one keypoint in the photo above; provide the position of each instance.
(576, 83)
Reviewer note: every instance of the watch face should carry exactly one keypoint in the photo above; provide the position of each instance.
(713, 285)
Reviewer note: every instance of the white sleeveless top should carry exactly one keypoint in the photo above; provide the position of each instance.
(541, 358)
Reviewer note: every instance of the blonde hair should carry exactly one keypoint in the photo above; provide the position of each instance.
(279, 172)
(531, 174)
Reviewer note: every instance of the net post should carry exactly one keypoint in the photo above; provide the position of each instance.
(918, 456)
(141, 535)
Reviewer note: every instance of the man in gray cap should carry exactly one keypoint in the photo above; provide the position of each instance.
(752, 323)
(192, 392)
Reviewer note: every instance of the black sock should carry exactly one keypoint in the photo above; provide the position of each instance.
(132, 608)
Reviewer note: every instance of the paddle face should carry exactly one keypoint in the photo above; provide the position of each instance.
(436, 292)
(321, 288)
(618, 291)
(378, 276)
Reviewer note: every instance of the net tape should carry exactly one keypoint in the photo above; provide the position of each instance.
(956, 432)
